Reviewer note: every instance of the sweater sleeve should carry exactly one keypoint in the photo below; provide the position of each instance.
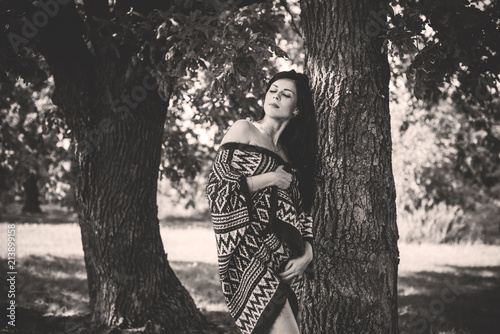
(306, 225)
(306, 222)
(229, 202)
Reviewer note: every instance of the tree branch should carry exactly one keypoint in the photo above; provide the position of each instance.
(64, 48)
(54, 30)
(62, 42)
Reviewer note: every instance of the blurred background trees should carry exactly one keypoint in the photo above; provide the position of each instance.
(34, 154)
(447, 133)
(210, 61)
(446, 143)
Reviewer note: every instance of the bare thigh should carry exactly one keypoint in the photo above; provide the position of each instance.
(285, 322)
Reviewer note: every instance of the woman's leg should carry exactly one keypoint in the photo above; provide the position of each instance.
(285, 322)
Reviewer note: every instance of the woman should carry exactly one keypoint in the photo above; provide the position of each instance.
(260, 193)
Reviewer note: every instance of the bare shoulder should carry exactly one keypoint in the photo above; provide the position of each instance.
(240, 132)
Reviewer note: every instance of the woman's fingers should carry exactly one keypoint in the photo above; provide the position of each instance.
(290, 269)
(288, 278)
(284, 178)
(288, 265)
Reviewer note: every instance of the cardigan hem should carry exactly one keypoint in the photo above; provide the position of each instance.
(274, 308)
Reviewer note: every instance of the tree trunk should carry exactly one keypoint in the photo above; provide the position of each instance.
(118, 123)
(31, 194)
(113, 108)
(129, 278)
(354, 289)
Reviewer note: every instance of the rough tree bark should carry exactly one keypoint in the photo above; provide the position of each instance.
(130, 280)
(117, 119)
(356, 256)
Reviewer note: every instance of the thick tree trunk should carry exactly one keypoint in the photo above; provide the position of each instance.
(31, 195)
(356, 256)
(130, 281)
(118, 118)
(113, 108)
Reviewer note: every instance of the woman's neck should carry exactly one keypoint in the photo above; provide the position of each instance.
(273, 128)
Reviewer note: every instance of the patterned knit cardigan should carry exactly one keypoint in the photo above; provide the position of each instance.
(256, 235)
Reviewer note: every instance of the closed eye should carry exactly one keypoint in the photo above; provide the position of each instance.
(285, 95)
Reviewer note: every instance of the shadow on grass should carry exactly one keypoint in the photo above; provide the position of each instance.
(52, 298)
(463, 300)
(52, 295)
(49, 290)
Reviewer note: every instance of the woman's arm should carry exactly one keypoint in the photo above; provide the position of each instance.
(240, 132)
(261, 181)
(279, 178)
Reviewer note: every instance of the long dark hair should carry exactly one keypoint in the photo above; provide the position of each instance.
(299, 136)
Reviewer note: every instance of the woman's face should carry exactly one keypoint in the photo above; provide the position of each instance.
(281, 99)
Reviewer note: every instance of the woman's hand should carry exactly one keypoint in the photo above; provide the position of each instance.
(296, 267)
(279, 178)
(282, 179)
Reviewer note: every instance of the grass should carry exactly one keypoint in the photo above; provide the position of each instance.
(442, 288)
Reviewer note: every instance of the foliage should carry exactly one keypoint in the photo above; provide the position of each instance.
(209, 57)
(447, 51)
(237, 47)
(434, 195)
(31, 136)
(439, 140)
(437, 223)
(447, 40)
(446, 54)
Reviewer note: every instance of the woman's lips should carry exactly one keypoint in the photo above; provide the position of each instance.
(274, 105)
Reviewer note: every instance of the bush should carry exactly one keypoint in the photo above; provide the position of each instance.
(439, 223)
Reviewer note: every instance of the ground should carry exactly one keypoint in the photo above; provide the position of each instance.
(441, 288)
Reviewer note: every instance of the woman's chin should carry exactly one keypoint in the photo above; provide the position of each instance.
(277, 114)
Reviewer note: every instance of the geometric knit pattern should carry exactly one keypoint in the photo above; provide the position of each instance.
(250, 244)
